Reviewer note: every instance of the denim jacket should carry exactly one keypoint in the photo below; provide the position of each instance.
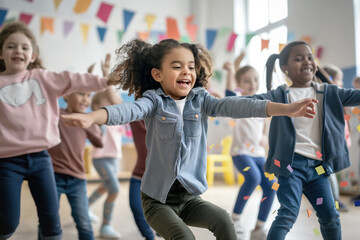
(282, 134)
(177, 143)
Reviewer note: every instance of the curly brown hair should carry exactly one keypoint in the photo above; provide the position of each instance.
(15, 27)
(137, 59)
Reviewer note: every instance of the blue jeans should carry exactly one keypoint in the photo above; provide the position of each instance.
(75, 190)
(37, 169)
(253, 177)
(107, 168)
(304, 179)
(136, 208)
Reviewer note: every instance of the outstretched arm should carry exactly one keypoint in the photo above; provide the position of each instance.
(230, 76)
(85, 120)
(301, 108)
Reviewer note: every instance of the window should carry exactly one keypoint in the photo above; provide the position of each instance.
(265, 19)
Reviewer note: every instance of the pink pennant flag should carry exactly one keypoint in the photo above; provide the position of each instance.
(230, 44)
(26, 18)
(104, 11)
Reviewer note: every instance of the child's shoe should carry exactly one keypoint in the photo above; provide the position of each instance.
(106, 231)
(258, 234)
(240, 230)
(92, 216)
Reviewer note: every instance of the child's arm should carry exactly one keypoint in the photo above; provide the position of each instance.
(238, 60)
(301, 108)
(230, 76)
(86, 120)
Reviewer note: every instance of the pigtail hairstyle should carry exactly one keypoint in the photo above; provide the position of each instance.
(323, 75)
(15, 27)
(270, 63)
(138, 58)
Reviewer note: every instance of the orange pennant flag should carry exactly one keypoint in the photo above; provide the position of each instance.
(143, 35)
(309, 212)
(264, 44)
(306, 39)
(47, 24)
(281, 46)
(172, 28)
(57, 3)
(82, 6)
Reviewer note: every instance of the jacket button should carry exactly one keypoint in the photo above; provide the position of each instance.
(163, 118)
(196, 116)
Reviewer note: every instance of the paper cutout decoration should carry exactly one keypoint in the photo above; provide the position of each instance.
(143, 35)
(281, 46)
(246, 169)
(347, 117)
(337, 205)
(172, 28)
(356, 111)
(275, 186)
(120, 35)
(150, 19)
(306, 39)
(218, 75)
(57, 3)
(67, 26)
(357, 203)
(318, 154)
(191, 28)
(320, 170)
(290, 168)
(211, 146)
(316, 232)
(26, 18)
(248, 38)
(224, 31)
(319, 52)
(217, 122)
(263, 199)
(269, 176)
(3, 13)
(309, 212)
(104, 11)
(85, 31)
(185, 39)
(231, 41)
(277, 162)
(319, 201)
(128, 15)
(162, 37)
(210, 37)
(264, 44)
(290, 36)
(344, 184)
(10, 20)
(101, 32)
(81, 6)
(46, 24)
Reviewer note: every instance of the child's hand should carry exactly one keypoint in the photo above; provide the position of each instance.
(238, 60)
(228, 66)
(78, 120)
(302, 108)
(105, 66)
(91, 68)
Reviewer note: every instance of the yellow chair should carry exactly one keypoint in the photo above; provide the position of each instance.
(221, 163)
(87, 159)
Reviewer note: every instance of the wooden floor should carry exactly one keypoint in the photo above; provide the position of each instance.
(219, 194)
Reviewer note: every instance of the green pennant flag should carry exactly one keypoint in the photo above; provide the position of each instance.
(224, 31)
(120, 35)
(218, 75)
(249, 36)
(185, 39)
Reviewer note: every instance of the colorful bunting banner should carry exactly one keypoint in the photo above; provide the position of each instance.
(26, 18)
(210, 37)
(104, 11)
(248, 38)
(191, 28)
(231, 41)
(3, 13)
(101, 32)
(128, 15)
(120, 35)
(264, 44)
(81, 6)
(46, 24)
(150, 19)
(143, 35)
(67, 26)
(85, 31)
(172, 28)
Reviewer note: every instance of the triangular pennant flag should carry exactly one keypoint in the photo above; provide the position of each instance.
(143, 35)
(150, 19)
(3, 13)
(218, 75)
(224, 31)
(162, 37)
(128, 15)
(57, 3)
(210, 37)
(101, 32)
(185, 39)
(306, 39)
(104, 11)
(47, 24)
(281, 46)
(231, 41)
(264, 44)
(120, 35)
(26, 18)
(319, 52)
(10, 20)
(191, 28)
(248, 37)
(172, 28)
(67, 26)
(82, 6)
(85, 31)
(290, 36)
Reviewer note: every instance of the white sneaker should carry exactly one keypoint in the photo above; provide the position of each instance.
(106, 231)
(240, 230)
(92, 216)
(258, 234)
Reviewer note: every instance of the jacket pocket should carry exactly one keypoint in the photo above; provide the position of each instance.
(165, 126)
(192, 124)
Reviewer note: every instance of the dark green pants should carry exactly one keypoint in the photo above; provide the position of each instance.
(170, 220)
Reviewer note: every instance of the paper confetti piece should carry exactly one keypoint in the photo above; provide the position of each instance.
(245, 169)
(347, 117)
(316, 231)
(356, 111)
(246, 197)
(211, 146)
(232, 123)
(318, 154)
(290, 168)
(277, 162)
(320, 170)
(358, 128)
(270, 176)
(309, 212)
(337, 205)
(344, 184)
(275, 186)
(319, 201)
(263, 199)
(357, 203)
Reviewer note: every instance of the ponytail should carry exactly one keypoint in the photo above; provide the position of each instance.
(323, 75)
(270, 63)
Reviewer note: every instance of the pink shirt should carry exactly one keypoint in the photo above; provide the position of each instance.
(29, 108)
(68, 156)
(112, 144)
